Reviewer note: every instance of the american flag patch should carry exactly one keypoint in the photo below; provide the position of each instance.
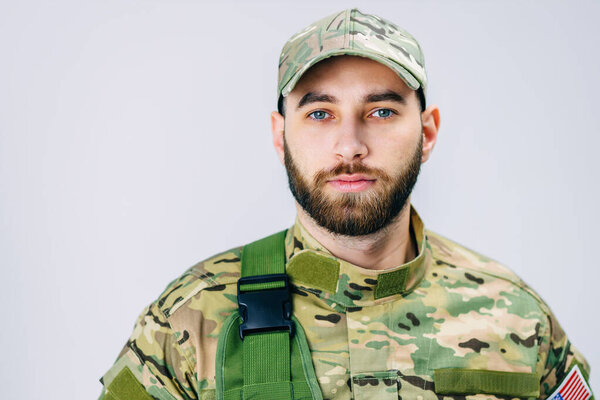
(573, 387)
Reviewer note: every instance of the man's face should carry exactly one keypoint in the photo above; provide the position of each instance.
(352, 144)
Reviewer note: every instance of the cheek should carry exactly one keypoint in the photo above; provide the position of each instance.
(393, 149)
(311, 152)
(310, 159)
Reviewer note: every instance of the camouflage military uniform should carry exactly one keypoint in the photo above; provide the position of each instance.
(372, 334)
(406, 332)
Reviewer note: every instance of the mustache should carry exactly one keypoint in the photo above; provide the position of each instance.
(341, 168)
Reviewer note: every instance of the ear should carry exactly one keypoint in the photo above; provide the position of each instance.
(431, 124)
(277, 129)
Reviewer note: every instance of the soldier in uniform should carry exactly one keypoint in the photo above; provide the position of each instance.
(386, 309)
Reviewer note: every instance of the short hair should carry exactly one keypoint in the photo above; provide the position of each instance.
(420, 96)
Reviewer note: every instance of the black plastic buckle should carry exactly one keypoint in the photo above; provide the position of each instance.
(265, 310)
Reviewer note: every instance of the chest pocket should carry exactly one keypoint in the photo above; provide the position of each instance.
(477, 381)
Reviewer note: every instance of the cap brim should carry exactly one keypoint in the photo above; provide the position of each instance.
(402, 72)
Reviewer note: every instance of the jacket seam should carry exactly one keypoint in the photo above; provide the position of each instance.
(191, 368)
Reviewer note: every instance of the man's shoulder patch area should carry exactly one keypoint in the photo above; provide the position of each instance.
(126, 386)
(214, 273)
(573, 387)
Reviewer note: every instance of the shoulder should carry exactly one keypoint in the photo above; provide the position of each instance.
(476, 267)
(519, 319)
(213, 274)
(453, 254)
(167, 333)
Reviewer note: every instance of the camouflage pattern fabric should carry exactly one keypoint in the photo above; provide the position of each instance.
(354, 33)
(450, 308)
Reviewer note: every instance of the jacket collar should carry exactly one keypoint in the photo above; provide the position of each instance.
(313, 268)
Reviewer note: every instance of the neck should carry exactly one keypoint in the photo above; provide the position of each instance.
(388, 247)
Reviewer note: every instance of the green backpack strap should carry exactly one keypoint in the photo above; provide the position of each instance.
(262, 352)
(265, 309)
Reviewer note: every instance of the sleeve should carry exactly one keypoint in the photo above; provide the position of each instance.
(561, 357)
(151, 365)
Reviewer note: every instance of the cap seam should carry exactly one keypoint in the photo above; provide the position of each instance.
(347, 30)
(351, 29)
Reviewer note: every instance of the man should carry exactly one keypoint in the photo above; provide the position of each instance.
(380, 307)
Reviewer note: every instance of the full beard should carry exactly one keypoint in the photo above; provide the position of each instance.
(354, 214)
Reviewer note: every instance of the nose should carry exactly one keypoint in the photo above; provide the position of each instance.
(350, 145)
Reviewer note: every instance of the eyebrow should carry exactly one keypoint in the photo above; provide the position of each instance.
(389, 95)
(312, 97)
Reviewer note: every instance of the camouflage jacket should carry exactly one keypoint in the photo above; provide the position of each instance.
(372, 334)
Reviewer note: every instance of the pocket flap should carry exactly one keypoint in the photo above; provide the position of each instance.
(479, 381)
(382, 385)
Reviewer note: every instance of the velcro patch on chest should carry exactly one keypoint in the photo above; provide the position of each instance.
(573, 387)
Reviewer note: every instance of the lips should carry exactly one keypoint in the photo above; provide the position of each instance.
(351, 183)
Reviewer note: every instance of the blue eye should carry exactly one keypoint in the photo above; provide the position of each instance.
(383, 113)
(319, 115)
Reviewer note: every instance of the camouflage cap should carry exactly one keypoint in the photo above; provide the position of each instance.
(354, 33)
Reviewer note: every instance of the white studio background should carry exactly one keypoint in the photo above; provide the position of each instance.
(135, 141)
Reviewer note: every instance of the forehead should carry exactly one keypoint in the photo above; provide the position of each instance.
(349, 74)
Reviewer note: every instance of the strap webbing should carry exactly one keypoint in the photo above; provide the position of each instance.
(266, 365)
(265, 256)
